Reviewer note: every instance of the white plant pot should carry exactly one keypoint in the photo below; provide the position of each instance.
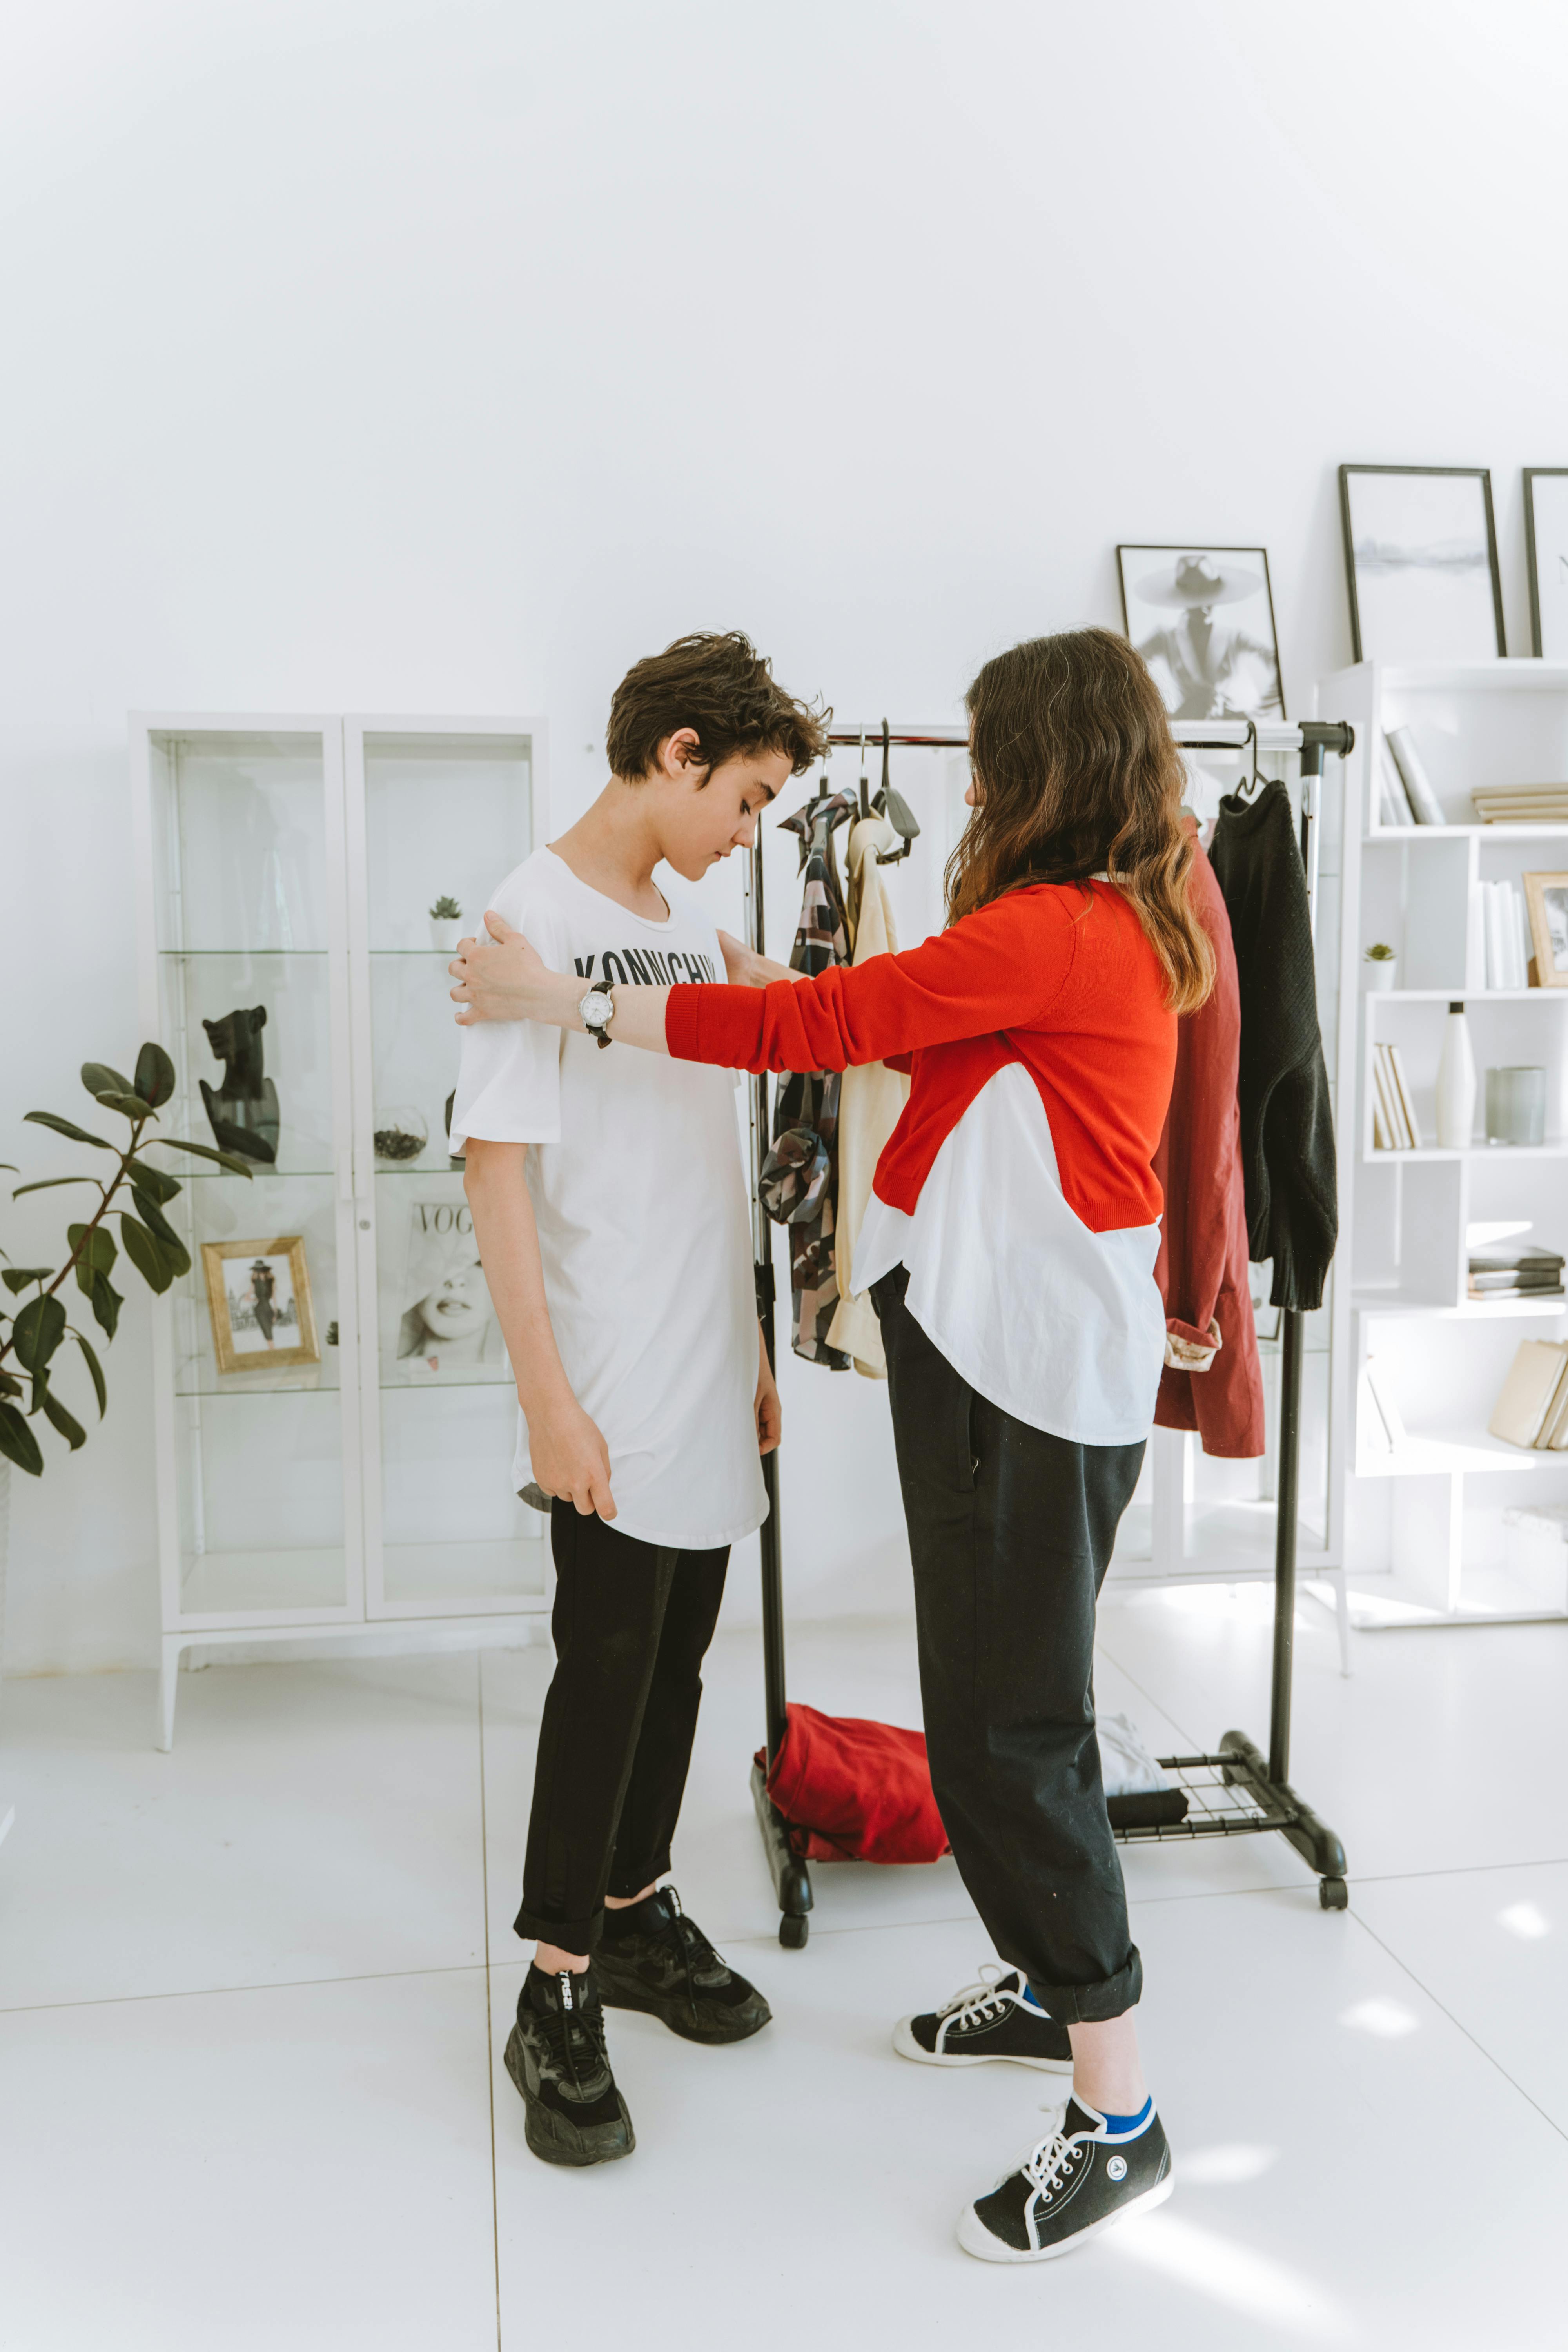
(446, 936)
(1381, 976)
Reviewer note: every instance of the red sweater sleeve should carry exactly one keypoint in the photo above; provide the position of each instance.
(1000, 967)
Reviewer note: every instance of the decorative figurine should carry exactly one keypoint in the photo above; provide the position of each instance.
(243, 1111)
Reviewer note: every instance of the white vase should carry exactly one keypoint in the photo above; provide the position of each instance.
(1456, 1083)
(446, 935)
(1382, 975)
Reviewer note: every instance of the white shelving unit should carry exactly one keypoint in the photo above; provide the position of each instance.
(289, 862)
(1431, 1530)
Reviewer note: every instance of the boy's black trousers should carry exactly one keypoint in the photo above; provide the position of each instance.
(1011, 1533)
(632, 1623)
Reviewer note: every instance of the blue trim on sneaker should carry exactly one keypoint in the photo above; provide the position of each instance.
(1129, 2127)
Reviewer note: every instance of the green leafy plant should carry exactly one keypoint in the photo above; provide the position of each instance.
(445, 910)
(32, 1334)
(1380, 952)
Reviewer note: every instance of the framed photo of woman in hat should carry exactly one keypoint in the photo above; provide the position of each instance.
(1203, 619)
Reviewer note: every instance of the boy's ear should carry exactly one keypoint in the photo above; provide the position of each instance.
(681, 753)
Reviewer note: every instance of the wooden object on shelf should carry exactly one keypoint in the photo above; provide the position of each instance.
(1529, 1393)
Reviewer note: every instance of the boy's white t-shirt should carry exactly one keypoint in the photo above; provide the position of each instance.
(640, 1200)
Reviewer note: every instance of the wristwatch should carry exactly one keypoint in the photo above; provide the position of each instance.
(598, 1009)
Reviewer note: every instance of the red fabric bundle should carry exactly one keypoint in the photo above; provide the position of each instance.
(855, 1791)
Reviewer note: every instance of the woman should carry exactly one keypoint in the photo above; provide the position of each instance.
(1009, 1250)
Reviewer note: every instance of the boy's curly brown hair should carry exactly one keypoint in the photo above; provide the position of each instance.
(717, 682)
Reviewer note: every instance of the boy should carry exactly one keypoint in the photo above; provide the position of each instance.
(610, 1214)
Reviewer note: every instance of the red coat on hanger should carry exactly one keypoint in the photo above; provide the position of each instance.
(1202, 1265)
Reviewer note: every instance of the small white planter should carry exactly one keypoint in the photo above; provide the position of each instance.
(1381, 976)
(445, 936)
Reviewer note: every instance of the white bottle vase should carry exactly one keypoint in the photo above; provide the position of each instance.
(1456, 1083)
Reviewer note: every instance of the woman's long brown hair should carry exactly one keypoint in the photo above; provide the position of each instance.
(1078, 775)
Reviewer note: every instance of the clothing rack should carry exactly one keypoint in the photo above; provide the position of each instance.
(1237, 1791)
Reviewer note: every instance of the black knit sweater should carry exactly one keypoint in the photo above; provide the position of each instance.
(1287, 1128)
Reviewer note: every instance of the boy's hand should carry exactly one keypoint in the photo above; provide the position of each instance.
(769, 1411)
(569, 1457)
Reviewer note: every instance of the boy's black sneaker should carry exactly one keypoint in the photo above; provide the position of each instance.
(652, 1958)
(1081, 2180)
(556, 2056)
(988, 2020)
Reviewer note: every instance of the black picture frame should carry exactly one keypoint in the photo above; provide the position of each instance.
(1472, 473)
(1200, 546)
(1532, 474)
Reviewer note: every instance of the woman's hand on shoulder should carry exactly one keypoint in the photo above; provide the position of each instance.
(500, 977)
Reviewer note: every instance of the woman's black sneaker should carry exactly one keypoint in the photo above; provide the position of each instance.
(1081, 2180)
(652, 1958)
(989, 2019)
(556, 2056)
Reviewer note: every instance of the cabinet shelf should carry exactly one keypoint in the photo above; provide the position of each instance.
(1471, 1310)
(1525, 829)
(1556, 1147)
(1474, 1450)
(1466, 995)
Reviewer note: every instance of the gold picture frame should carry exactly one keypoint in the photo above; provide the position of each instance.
(245, 1318)
(1546, 896)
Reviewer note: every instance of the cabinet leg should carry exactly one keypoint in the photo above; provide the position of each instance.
(168, 1691)
(1342, 1618)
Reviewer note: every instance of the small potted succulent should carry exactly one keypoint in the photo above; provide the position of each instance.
(446, 924)
(1382, 967)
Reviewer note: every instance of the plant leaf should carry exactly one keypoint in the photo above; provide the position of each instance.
(144, 1253)
(96, 1369)
(127, 1105)
(17, 1278)
(154, 1181)
(96, 1258)
(107, 1303)
(39, 1328)
(229, 1160)
(69, 1427)
(65, 1126)
(41, 1389)
(8, 1386)
(17, 1442)
(47, 1183)
(155, 1075)
(99, 1078)
(168, 1240)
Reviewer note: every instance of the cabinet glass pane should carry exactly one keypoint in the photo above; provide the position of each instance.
(241, 929)
(446, 817)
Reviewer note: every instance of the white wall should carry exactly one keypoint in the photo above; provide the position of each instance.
(416, 355)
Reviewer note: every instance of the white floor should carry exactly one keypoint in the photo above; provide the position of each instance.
(246, 1991)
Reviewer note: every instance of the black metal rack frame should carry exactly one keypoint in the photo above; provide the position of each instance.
(1237, 1791)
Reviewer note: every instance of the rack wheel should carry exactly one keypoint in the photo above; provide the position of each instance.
(1334, 1893)
(794, 1931)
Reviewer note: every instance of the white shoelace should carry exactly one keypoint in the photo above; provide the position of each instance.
(1044, 2165)
(977, 2004)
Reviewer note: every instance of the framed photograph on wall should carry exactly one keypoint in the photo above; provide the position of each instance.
(1546, 896)
(1546, 543)
(1422, 563)
(1203, 619)
(258, 1296)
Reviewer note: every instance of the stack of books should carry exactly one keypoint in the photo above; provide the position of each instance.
(1522, 803)
(1393, 1127)
(1407, 797)
(1516, 1273)
(1533, 1410)
(1504, 928)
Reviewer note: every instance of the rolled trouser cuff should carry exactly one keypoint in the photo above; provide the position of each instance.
(626, 1883)
(566, 1934)
(1092, 2004)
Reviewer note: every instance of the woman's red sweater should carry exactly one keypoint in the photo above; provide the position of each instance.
(1059, 977)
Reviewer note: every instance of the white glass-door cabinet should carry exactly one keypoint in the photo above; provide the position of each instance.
(334, 1411)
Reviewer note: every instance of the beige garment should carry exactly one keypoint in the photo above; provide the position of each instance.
(870, 1103)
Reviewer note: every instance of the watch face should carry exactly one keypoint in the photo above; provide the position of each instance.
(596, 1007)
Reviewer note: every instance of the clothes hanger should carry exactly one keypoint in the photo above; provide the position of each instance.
(895, 808)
